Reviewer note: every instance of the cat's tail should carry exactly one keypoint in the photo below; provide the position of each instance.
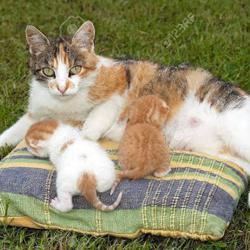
(87, 186)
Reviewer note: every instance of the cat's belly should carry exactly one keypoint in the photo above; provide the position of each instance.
(194, 127)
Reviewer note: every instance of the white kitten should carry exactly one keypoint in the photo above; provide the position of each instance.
(82, 165)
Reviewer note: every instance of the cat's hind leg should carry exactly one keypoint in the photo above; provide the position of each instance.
(234, 131)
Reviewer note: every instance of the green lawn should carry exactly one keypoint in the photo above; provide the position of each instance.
(216, 36)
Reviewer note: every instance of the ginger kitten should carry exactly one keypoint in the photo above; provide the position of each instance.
(82, 165)
(143, 150)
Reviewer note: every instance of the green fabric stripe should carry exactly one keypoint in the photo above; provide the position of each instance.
(20, 205)
(118, 221)
(221, 180)
(198, 160)
(202, 161)
(226, 170)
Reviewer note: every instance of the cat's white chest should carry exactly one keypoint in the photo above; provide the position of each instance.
(43, 104)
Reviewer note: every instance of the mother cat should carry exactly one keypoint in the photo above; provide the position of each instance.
(70, 82)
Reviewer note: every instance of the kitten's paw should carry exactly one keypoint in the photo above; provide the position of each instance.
(61, 206)
(161, 173)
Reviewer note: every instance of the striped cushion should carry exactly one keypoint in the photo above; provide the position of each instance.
(197, 199)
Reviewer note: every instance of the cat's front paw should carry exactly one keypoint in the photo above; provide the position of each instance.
(90, 134)
(61, 206)
(4, 139)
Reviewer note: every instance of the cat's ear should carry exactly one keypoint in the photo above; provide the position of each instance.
(85, 36)
(36, 40)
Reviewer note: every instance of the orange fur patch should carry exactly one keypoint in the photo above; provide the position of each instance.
(197, 77)
(146, 80)
(171, 87)
(74, 123)
(141, 74)
(90, 59)
(87, 186)
(69, 84)
(66, 144)
(110, 80)
(40, 131)
(84, 72)
(55, 63)
(174, 107)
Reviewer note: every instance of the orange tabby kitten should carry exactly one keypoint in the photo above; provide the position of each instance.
(143, 150)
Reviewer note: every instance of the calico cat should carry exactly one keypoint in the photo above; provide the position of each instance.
(143, 150)
(82, 165)
(71, 82)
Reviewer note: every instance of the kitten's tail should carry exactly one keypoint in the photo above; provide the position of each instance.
(87, 186)
(127, 174)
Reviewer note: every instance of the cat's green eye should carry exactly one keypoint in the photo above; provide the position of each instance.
(75, 70)
(48, 72)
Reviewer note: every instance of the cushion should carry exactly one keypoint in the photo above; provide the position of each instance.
(195, 200)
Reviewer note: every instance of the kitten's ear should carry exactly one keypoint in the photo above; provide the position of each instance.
(36, 143)
(33, 143)
(36, 40)
(164, 110)
(85, 36)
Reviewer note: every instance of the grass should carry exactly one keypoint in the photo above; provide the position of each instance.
(216, 38)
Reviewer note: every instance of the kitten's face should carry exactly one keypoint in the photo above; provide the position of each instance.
(63, 65)
(149, 109)
(38, 135)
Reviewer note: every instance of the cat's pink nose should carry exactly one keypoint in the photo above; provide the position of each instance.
(62, 90)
